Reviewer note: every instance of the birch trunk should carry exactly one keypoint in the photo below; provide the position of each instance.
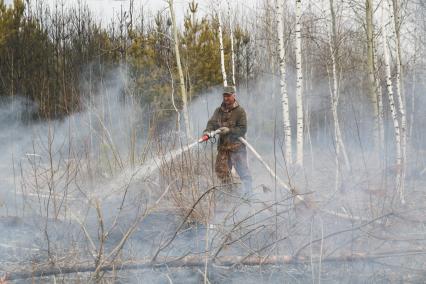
(372, 86)
(334, 103)
(299, 86)
(380, 107)
(283, 82)
(380, 116)
(340, 147)
(399, 91)
(393, 111)
(231, 34)
(271, 43)
(179, 66)
(222, 53)
(413, 90)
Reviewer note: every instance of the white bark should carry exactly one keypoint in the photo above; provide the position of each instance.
(283, 82)
(299, 86)
(222, 53)
(372, 85)
(393, 111)
(413, 89)
(334, 103)
(395, 14)
(380, 117)
(173, 99)
(340, 147)
(179, 66)
(231, 34)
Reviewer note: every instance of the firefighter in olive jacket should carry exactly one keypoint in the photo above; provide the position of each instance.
(231, 119)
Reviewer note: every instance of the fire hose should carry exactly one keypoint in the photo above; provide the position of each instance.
(286, 186)
(212, 136)
(309, 203)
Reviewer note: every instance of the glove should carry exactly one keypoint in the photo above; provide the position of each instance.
(224, 130)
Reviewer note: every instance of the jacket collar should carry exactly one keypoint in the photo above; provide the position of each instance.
(224, 108)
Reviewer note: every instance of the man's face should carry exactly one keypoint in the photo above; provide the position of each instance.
(228, 99)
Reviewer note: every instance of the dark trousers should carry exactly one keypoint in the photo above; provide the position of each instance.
(233, 156)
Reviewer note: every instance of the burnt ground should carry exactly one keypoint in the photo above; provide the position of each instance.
(359, 234)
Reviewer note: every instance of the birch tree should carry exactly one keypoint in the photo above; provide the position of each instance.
(222, 52)
(394, 11)
(380, 113)
(283, 82)
(372, 85)
(334, 93)
(413, 87)
(231, 34)
(271, 42)
(179, 66)
(393, 109)
(299, 85)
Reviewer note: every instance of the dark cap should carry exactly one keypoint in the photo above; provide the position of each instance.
(230, 90)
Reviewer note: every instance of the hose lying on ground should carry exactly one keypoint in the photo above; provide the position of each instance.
(271, 172)
(309, 203)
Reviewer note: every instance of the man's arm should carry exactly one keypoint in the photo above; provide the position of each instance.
(212, 124)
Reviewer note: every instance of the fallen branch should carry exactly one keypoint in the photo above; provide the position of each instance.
(199, 261)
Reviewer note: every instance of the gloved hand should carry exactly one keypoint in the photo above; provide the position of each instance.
(224, 130)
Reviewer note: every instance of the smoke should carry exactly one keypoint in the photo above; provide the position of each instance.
(52, 170)
(63, 181)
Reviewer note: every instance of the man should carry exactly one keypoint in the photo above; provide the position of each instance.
(231, 119)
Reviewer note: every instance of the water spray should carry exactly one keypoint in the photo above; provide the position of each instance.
(153, 164)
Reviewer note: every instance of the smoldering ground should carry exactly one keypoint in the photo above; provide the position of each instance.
(98, 189)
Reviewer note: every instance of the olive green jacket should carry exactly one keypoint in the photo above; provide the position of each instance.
(234, 118)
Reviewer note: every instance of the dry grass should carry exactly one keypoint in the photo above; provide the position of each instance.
(189, 176)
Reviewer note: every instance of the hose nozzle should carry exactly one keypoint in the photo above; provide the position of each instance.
(204, 138)
(208, 136)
